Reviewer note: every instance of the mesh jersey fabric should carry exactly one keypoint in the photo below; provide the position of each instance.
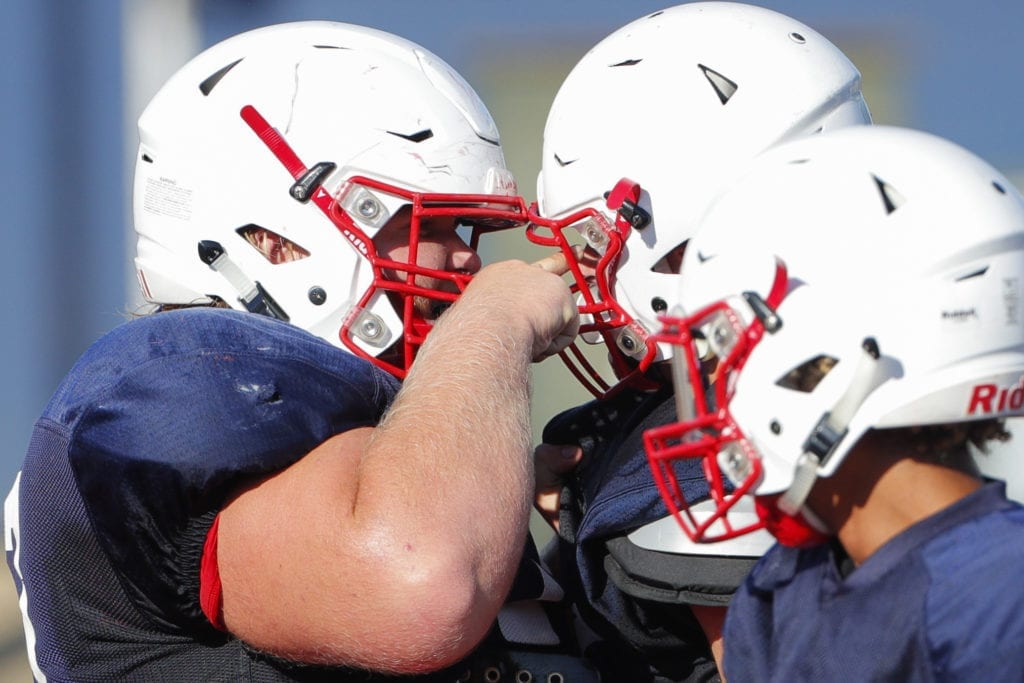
(154, 427)
(939, 602)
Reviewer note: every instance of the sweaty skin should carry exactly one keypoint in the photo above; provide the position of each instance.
(393, 547)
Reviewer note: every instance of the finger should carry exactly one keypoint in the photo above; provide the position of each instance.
(564, 338)
(587, 259)
(552, 462)
(547, 505)
(557, 345)
(553, 263)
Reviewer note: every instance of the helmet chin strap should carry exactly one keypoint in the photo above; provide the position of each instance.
(252, 294)
(804, 476)
(832, 427)
(813, 520)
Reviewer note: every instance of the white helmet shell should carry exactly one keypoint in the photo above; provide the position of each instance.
(680, 101)
(889, 237)
(371, 104)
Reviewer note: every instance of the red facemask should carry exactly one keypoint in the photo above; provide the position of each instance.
(706, 430)
(631, 350)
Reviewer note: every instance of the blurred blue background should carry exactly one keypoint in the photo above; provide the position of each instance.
(75, 76)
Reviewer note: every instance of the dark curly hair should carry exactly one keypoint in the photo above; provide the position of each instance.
(948, 443)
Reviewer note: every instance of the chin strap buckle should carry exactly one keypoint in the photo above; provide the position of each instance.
(252, 294)
(624, 199)
(833, 426)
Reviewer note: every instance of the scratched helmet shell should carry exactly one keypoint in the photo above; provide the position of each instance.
(316, 133)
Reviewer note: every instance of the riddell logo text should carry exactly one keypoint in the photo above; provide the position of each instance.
(989, 399)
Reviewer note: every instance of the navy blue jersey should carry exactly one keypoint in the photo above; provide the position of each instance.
(148, 436)
(636, 599)
(942, 601)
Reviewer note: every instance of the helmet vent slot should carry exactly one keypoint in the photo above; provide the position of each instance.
(974, 274)
(627, 62)
(806, 376)
(273, 247)
(561, 163)
(724, 87)
(211, 81)
(890, 197)
(419, 136)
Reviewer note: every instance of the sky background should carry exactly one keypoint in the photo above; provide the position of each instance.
(75, 76)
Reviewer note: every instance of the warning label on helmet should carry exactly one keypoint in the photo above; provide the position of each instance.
(164, 197)
(1011, 300)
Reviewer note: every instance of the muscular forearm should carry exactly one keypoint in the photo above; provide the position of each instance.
(460, 432)
(392, 547)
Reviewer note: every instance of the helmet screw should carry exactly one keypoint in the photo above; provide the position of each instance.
(317, 295)
(627, 343)
(368, 208)
(371, 328)
(720, 334)
(658, 304)
(775, 427)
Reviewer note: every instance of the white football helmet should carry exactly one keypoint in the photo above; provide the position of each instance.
(656, 118)
(317, 132)
(867, 278)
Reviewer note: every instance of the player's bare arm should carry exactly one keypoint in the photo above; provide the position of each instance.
(377, 519)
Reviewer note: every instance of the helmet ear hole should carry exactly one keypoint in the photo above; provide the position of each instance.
(806, 376)
(273, 247)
